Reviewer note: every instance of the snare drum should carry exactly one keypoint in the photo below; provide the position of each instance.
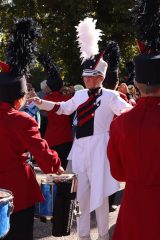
(44, 210)
(6, 208)
(64, 203)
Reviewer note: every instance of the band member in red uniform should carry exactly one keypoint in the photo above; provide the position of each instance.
(133, 148)
(59, 128)
(19, 133)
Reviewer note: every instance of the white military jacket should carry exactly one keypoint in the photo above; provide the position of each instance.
(95, 112)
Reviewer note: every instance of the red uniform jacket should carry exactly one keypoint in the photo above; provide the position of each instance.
(18, 133)
(133, 152)
(59, 129)
(130, 101)
(122, 95)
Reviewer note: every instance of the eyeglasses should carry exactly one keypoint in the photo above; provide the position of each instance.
(30, 89)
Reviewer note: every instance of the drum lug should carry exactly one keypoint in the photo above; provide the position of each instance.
(76, 210)
(10, 208)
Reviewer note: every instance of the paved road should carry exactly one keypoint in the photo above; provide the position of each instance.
(43, 230)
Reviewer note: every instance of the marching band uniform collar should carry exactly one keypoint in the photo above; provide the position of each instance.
(95, 90)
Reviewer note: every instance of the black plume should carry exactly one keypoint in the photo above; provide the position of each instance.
(21, 48)
(112, 55)
(49, 66)
(146, 20)
(130, 72)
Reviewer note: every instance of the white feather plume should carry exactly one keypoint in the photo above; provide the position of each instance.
(88, 37)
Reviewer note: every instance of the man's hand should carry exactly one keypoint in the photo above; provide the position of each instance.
(35, 100)
(42, 104)
(60, 170)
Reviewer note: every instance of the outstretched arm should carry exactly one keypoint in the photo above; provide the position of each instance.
(67, 107)
(42, 104)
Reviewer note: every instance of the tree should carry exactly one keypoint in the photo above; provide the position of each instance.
(58, 19)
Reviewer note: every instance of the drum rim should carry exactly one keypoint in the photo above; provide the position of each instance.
(58, 178)
(7, 198)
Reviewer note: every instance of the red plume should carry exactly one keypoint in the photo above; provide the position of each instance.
(141, 46)
(101, 55)
(5, 67)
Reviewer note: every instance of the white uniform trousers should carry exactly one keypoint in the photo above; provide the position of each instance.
(102, 212)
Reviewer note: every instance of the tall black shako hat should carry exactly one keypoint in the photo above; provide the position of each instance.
(54, 80)
(146, 15)
(88, 37)
(112, 56)
(20, 55)
(129, 72)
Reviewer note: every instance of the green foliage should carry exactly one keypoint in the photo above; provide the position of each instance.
(36, 77)
(58, 19)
